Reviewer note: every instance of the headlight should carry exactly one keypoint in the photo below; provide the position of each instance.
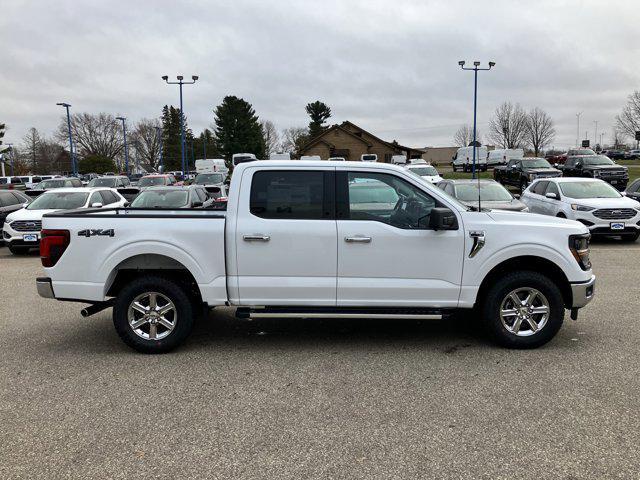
(581, 208)
(579, 246)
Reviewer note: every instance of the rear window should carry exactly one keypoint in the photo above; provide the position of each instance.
(6, 199)
(287, 195)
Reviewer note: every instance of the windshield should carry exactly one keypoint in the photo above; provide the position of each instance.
(103, 182)
(59, 201)
(588, 190)
(468, 192)
(597, 160)
(535, 163)
(209, 178)
(424, 171)
(50, 184)
(584, 151)
(161, 199)
(151, 181)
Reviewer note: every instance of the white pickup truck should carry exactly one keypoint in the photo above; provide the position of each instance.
(319, 239)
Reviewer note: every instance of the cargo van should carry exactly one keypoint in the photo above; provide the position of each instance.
(502, 156)
(310, 158)
(211, 165)
(463, 159)
(280, 156)
(399, 159)
(369, 157)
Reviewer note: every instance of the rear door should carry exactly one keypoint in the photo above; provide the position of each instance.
(387, 255)
(285, 237)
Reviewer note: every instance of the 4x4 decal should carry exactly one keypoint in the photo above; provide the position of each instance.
(96, 232)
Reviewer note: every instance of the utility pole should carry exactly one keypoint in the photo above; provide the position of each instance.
(578, 130)
(72, 153)
(126, 149)
(159, 135)
(595, 133)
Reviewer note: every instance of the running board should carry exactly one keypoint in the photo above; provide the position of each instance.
(345, 313)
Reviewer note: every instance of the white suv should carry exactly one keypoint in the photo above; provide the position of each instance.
(21, 229)
(590, 201)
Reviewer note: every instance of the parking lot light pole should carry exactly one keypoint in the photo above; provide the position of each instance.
(181, 82)
(476, 68)
(126, 149)
(72, 153)
(578, 130)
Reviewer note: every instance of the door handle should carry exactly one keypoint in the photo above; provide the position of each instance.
(256, 238)
(357, 239)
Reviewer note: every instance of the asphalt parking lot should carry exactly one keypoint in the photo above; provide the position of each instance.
(320, 399)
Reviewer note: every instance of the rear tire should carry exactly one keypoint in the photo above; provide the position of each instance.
(527, 324)
(19, 250)
(153, 314)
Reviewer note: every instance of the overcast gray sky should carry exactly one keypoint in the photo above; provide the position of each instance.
(389, 66)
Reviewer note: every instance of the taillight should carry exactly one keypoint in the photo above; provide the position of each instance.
(221, 199)
(53, 243)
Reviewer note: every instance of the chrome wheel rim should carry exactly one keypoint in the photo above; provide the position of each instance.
(524, 311)
(152, 316)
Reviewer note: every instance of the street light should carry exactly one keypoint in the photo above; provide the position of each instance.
(476, 68)
(72, 153)
(181, 82)
(578, 129)
(126, 149)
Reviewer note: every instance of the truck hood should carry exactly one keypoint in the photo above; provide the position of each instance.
(542, 171)
(514, 205)
(536, 220)
(607, 168)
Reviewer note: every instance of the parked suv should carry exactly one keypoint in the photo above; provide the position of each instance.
(11, 202)
(592, 202)
(596, 166)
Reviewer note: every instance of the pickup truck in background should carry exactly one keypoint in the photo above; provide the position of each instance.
(520, 172)
(319, 239)
(596, 166)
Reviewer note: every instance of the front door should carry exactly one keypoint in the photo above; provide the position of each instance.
(387, 255)
(286, 237)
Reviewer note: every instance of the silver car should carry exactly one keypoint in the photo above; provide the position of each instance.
(492, 195)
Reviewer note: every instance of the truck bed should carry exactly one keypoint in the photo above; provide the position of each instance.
(103, 241)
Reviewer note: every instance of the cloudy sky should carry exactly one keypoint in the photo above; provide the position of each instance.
(389, 66)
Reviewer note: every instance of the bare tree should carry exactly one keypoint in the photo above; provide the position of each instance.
(464, 136)
(628, 122)
(31, 147)
(508, 127)
(146, 142)
(540, 131)
(294, 139)
(271, 136)
(52, 157)
(99, 134)
(618, 138)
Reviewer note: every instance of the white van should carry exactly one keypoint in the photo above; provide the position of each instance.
(238, 158)
(502, 156)
(399, 159)
(463, 159)
(369, 157)
(280, 156)
(337, 159)
(211, 165)
(310, 158)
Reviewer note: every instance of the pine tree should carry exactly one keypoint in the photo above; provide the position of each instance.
(205, 144)
(171, 150)
(238, 129)
(319, 113)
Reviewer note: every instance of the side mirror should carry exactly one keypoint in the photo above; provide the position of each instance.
(513, 167)
(96, 205)
(196, 204)
(556, 165)
(442, 219)
(126, 204)
(552, 196)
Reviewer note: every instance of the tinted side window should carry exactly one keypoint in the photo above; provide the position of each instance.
(6, 199)
(16, 180)
(288, 194)
(202, 195)
(385, 198)
(553, 188)
(96, 198)
(540, 187)
(635, 186)
(107, 197)
(20, 197)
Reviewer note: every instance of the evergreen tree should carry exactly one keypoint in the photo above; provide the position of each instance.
(171, 150)
(238, 129)
(319, 113)
(205, 143)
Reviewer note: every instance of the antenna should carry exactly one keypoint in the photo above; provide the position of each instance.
(479, 199)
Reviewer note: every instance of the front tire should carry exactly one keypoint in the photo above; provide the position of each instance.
(523, 310)
(153, 314)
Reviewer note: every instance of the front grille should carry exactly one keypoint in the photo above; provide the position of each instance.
(615, 213)
(621, 173)
(26, 225)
